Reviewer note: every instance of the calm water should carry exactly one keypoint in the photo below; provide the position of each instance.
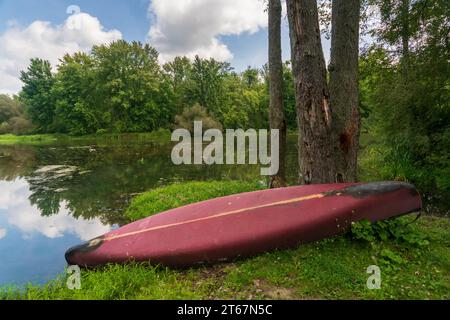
(54, 197)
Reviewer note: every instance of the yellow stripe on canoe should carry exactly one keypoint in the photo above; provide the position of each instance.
(219, 215)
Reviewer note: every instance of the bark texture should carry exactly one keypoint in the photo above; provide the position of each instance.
(277, 117)
(312, 95)
(344, 88)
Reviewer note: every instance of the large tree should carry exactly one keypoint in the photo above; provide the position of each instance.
(38, 81)
(314, 115)
(277, 118)
(128, 77)
(398, 24)
(74, 91)
(344, 93)
(177, 75)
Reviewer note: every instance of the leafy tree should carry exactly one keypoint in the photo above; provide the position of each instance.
(128, 83)
(74, 91)
(206, 87)
(12, 116)
(233, 113)
(120, 87)
(250, 77)
(289, 97)
(8, 108)
(36, 94)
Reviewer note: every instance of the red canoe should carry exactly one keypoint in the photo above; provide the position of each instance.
(247, 224)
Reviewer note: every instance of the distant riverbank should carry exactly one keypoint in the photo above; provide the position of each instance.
(46, 139)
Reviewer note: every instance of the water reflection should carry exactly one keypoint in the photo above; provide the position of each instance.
(32, 245)
(18, 212)
(53, 197)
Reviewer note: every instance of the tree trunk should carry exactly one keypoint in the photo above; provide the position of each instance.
(344, 88)
(311, 91)
(405, 35)
(277, 119)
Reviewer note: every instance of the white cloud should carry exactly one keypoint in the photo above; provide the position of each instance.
(190, 27)
(10, 192)
(2, 233)
(43, 40)
(29, 221)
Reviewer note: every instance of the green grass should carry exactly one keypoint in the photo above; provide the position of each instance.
(46, 139)
(10, 139)
(330, 269)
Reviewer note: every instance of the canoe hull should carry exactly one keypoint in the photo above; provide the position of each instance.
(247, 224)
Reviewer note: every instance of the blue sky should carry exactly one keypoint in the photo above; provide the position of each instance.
(130, 17)
(231, 30)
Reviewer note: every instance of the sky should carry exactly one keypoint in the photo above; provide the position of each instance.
(227, 30)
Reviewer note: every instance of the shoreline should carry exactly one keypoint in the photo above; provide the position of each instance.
(333, 268)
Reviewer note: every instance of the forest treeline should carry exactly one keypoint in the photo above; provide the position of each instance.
(120, 88)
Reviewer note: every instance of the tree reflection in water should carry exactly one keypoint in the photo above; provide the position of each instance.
(97, 181)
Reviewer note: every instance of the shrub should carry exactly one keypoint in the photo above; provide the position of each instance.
(196, 113)
(395, 229)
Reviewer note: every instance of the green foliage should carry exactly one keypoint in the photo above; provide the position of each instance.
(290, 108)
(128, 87)
(36, 94)
(394, 229)
(116, 88)
(12, 116)
(120, 87)
(176, 77)
(9, 108)
(389, 257)
(206, 83)
(160, 136)
(73, 91)
(406, 95)
(196, 113)
(243, 106)
(10, 139)
(250, 77)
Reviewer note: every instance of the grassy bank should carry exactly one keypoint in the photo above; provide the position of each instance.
(10, 139)
(329, 269)
(47, 139)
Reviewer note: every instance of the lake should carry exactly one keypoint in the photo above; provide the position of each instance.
(55, 196)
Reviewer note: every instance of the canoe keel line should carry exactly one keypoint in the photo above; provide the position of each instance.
(248, 224)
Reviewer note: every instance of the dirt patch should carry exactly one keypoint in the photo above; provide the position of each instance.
(272, 291)
(214, 272)
(213, 277)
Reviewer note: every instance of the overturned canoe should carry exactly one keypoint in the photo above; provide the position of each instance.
(247, 224)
